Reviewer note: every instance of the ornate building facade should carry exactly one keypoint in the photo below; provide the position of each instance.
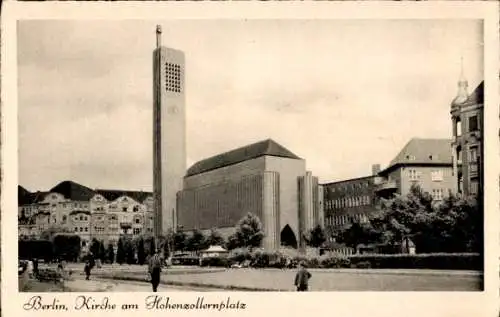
(467, 144)
(73, 208)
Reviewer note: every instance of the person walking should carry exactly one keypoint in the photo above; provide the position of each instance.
(154, 268)
(87, 269)
(302, 278)
(35, 267)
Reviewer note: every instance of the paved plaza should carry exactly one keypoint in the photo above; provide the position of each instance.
(134, 277)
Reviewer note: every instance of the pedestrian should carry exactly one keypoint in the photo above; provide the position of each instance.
(35, 267)
(30, 267)
(60, 265)
(87, 268)
(302, 278)
(154, 268)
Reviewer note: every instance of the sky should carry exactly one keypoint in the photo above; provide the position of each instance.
(342, 94)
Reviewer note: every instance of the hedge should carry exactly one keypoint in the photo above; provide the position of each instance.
(435, 261)
(185, 260)
(216, 262)
(41, 249)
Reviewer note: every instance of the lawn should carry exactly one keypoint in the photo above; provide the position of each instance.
(323, 280)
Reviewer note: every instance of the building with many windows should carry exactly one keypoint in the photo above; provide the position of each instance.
(347, 201)
(468, 150)
(264, 179)
(425, 162)
(71, 207)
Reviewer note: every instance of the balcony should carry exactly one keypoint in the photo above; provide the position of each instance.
(386, 187)
(473, 169)
(125, 225)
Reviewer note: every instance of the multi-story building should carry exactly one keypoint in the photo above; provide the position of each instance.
(264, 179)
(349, 200)
(468, 150)
(425, 162)
(101, 214)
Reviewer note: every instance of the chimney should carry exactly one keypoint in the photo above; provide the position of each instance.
(375, 169)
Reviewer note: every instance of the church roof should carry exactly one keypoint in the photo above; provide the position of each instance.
(266, 147)
(424, 152)
(73, 191)
(112, 194)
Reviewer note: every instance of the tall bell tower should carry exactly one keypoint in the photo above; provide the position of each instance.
(169, 133)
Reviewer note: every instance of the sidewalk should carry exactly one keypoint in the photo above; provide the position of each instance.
(81, 285)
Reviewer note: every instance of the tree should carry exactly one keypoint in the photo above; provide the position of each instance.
(454, 225)
(102, 251)
(215, 238)
(232, 242)
(196, 241)
(129, 252)
(457, 226)
(403, 216)
(356, 234)
(95, 247)
(67, 247)
(111, 253)
(141, 254)
(120, 252)
(316, 237)
(151, 245)
(180, 239)
(249, 232)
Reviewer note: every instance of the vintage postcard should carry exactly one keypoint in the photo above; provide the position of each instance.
(211, 157)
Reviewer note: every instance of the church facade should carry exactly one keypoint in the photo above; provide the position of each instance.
(264, 179)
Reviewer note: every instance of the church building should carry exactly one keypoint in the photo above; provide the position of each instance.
(264, 179)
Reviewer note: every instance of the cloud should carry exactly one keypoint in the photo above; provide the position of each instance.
(342, 94)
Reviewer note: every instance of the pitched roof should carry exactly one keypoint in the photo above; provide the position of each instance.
(27, 198)
(73, 191)
(266, 147)
(424, 151)
(112, 194)
(477, 96)
(22, 195)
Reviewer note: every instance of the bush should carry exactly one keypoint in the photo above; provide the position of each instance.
(216, 261)
(334, 262)
(436, 261)
(241, 255)
(49, 275)
(41, 249)
(361, 265)
(260, 260)
(185, 260)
